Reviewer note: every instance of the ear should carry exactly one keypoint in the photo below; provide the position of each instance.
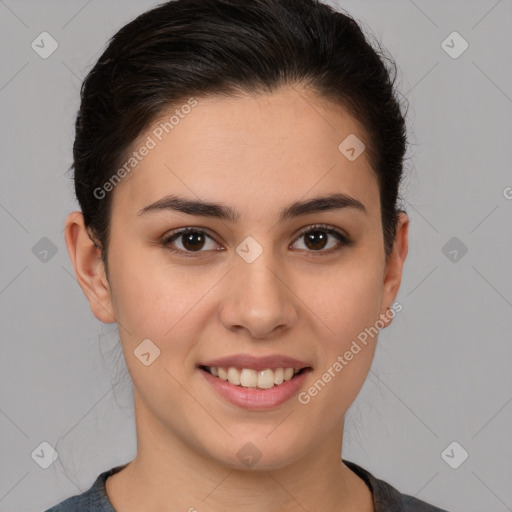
(89, 268)
(394, 267)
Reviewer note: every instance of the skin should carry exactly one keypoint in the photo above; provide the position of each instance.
(256, 154)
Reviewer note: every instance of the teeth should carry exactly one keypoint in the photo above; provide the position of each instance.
(288, 373)
(249, 378)
(278, 376)
(266, 379)
(234, 376)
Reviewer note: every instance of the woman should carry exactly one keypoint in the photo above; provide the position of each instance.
(237, 165)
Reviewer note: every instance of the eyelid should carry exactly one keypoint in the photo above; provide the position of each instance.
(172, 232)
(325, 227)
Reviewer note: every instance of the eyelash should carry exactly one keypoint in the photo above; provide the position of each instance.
(344, 241)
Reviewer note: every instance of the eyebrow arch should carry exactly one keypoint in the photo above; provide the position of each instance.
(206, 209)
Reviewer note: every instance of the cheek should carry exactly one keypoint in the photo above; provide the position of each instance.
(348, 304)
(162, 304)
(156, 300)
(346, 299)
(168, 306)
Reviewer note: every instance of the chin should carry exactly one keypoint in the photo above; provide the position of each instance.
(258, 455)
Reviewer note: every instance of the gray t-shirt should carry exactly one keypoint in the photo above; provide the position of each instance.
(385, 497)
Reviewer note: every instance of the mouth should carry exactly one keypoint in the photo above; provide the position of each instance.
(256, 379)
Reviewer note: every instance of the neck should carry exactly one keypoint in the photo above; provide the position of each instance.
(168, 475)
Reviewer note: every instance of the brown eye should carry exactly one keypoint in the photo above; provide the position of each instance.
(316, 239)
(191, 240)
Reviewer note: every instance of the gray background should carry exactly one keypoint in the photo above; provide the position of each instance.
(441, 371)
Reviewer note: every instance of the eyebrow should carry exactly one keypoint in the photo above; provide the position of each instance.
(215, 210)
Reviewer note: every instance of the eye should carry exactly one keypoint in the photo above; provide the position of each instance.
(192, 240)
(316, 239)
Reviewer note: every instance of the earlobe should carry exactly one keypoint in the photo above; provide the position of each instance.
(89, 268)
(394, 266)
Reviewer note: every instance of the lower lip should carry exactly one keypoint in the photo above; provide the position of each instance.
(256, 398)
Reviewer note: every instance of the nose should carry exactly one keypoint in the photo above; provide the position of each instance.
(259, 299)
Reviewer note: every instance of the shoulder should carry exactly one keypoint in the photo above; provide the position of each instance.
(388, 499)
(95, 499)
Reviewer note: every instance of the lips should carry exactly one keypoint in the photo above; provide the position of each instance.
(256, 398)
(256, 363)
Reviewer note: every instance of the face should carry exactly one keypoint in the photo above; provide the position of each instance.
(254, 290)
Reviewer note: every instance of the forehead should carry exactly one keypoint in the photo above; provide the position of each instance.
(249, 150)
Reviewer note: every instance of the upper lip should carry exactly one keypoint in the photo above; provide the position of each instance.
(256, 363)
